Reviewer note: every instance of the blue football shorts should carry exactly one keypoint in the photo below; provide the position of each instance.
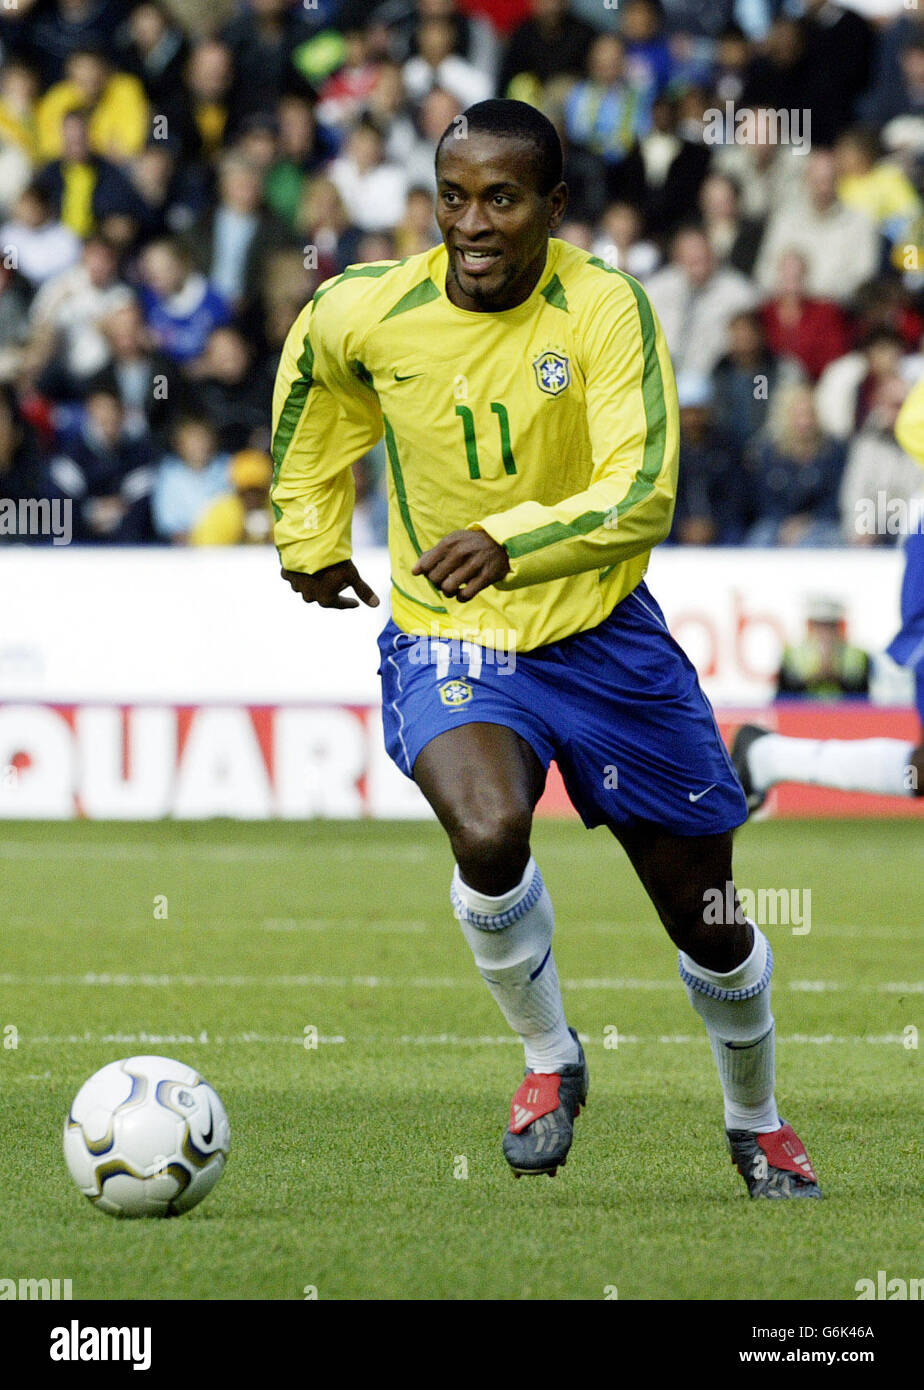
(619, 708)
(907, 647)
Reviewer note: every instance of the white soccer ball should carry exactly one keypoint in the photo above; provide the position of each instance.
(146, 1137)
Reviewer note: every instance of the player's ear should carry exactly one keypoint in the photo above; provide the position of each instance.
(558, 201)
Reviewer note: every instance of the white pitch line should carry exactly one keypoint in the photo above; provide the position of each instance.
(432, 1040)
(436, 982)
(224, 854)
(295, 924)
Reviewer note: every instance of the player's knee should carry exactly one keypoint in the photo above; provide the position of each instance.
(492, 842)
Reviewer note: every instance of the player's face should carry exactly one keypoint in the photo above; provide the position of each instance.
(494, 221)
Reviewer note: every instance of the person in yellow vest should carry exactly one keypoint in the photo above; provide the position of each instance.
(243, 517)
(824, 665)
(120, 115)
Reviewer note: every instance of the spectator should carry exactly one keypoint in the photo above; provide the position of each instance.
(105, 473)
(620, 241)
(85, 188)
(874, 186)
(65, 26)
(648, 56)
(244, 516)
(230, 243)
(346, 91)
(769, 175)
(372, 190)
(886, 303)
(155, 50)
(180, 306)
(189, 479)
(745, 380)
(678, 188)
(330, 236)
(115, 102)
(839, 47)
(66, 313)
(436, 112)
(18, 143)
(840, 245)
(846, 387)
(711, 495)
(696, 300)
(735, 240)
(551, 42)
(300, 152)
(812, 331)
(823, 666)
(436, 64)
(262, 42)
(880, 480)
(417, 231)
(148, 382)
(209, 79)
(34, 242)
(14, 322)
(20, 472)
(796, 476)
(606, 116)
(224, 385)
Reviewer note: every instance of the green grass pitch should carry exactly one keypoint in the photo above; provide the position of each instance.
(348, 1160)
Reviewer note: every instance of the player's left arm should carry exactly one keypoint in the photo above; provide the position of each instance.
(631, 402)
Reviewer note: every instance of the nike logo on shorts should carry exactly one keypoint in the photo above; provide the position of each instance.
(696, 796)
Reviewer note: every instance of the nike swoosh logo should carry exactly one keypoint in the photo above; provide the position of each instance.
(207, 1138)
(408, 378)
(701, 794)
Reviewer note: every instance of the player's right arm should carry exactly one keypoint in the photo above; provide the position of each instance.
(324, 418)
(909, 426)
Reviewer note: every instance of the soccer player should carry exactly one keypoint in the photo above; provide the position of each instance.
(882, 766)
(528, 405)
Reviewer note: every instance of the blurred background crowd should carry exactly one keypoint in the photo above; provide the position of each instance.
(176, 179)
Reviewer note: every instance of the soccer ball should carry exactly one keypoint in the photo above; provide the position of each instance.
(146, 1137)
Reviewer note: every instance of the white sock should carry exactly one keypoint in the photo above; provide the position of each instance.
(511, 940)
(735, 1008)
(879, 765)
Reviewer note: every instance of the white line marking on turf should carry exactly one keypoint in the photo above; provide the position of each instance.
(340, 924)
(118, 980)
(426, 1040)
(224, 854)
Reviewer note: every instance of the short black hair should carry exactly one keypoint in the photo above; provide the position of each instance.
(515, 120)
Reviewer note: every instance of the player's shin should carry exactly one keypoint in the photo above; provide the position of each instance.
(511, 940)
(735, 1007)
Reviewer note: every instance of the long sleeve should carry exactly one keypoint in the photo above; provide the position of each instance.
(909, 427)
(632, 420)
(324, 418)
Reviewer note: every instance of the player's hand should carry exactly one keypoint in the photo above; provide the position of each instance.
(326, 586)
(463, 563)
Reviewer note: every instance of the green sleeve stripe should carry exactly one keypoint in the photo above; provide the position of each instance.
(291, 413)
(421, 294)
(352, 272)
(431, 607)
(398, 478)
(655, 442)
(554, 294)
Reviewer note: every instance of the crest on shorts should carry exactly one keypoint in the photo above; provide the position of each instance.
(553, 373)
(455, 692)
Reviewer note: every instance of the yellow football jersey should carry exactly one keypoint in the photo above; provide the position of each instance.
(552, 426)
(909, 427)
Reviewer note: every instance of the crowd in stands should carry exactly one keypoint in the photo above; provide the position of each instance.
(176, 179)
